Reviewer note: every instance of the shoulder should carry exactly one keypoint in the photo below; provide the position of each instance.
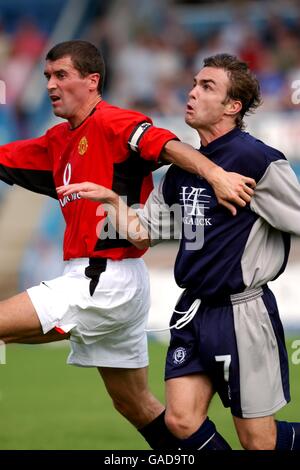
(116, 118)
(254, 155)
(258, 147)
(175, 173)
(58, 129)
(173, 179)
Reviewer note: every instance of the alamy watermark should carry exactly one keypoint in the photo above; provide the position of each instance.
(296, 354)
(2, 92)
(2, 353)
(295, 98)
(158, 222)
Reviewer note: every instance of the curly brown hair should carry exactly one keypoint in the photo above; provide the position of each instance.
(243, 87)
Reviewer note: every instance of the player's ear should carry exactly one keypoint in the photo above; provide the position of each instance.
(233, 107)
(93, 81)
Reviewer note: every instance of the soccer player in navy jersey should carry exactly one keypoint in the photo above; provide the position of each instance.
(101, 301)
(226, 333)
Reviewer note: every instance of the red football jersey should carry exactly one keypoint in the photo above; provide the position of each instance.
(113, 147)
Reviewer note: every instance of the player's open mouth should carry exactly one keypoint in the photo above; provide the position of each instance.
(54, 98)
(188, 108)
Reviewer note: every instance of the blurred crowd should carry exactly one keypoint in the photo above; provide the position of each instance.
(152, 52)
(20, 50)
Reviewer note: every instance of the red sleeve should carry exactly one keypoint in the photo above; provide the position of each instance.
(132, 131)
(149, 140)
(27, 163)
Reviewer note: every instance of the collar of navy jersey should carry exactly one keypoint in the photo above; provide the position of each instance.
(224, 139)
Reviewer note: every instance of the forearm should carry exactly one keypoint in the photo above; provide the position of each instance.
(228, 187)
(187, 158)
(126, 222)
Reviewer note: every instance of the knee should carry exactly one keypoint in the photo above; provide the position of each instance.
(256, 441)
(138, 410)
(182, 424)
(122, 406)
(127, 404)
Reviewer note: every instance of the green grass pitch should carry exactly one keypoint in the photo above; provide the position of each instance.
(45, 404)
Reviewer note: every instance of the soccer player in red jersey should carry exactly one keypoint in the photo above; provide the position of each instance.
(102, 299)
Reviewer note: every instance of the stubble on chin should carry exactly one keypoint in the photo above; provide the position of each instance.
(187, 119)
(59, 113)
(190, 122)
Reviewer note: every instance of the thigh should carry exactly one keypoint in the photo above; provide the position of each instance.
(18, 317)
(50, 337)
(189, 395)
(205, 347)
(110, 325)
(263, 361)
(246, 359)
(183, 358)
(218, 348)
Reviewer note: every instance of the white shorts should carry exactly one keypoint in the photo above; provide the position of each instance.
(108, 328)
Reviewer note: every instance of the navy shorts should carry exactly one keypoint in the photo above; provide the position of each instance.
(239, 344)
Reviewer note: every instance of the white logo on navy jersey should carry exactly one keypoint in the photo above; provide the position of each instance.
(179, 355)
(195, 202)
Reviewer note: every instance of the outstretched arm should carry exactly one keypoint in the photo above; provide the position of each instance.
(28, 163)
(230, 188)
(123, 218)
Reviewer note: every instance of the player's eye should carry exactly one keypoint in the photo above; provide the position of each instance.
(60, 75)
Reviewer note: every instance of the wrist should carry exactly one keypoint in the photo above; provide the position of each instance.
(110, 197)
(211, 173)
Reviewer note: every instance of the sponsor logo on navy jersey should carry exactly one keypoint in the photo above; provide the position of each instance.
(195, 202)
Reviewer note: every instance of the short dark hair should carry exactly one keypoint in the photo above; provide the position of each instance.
(244, 86)
(85, 57)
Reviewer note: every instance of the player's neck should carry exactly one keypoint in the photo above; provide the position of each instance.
(84, 112)
(212, 133)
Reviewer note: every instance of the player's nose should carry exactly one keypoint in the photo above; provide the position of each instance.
(191, 94)
(51, 84)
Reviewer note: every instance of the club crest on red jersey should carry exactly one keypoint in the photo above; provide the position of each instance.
(83, 146)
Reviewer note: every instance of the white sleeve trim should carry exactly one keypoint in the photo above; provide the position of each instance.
(137, 134)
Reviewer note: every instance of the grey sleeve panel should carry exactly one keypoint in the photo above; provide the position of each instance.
(277, 197)
(263, 255)
(162, 221)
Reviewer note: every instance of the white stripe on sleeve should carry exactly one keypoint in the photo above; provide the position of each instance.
(137, 134)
